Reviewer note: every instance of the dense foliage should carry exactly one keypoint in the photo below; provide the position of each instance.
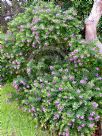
(46, 30)
(57, 77)
(69, 98)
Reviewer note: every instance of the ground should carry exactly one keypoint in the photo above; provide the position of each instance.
(13, 121)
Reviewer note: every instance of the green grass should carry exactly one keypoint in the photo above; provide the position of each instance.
(14, 122)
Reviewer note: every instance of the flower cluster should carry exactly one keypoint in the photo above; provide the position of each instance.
(20, 84)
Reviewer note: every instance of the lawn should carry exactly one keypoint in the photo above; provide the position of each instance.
(13, 121)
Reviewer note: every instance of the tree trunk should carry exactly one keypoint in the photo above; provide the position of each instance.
(92, 22)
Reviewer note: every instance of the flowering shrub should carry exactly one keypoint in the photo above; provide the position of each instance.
(68, 99)
(39, 27)
(62, 90)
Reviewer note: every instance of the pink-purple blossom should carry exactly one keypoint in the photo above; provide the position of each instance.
(33, 109)
(97, 68)
(56, 116)
(95, 105)
(92, 125)
(71, 78)
(60, 89)
(97, 118)
(81, 117)
(83, 81)
(92, 114)
(90, 118)
(79, 128)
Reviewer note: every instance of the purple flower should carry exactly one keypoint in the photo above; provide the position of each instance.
(37, 37)
(90, 118)
(75, 57)
(23, 82)
(57, 103)
(80, 96)
(33, 109)
(60, 89)
(67, 133)
(56, 116)
(48, 94)
(33, 45)
(94, 49)
(43, 109)
(79, 128)
(97, 118)
(92, 114)
(34, 29)
(71, 78)
(97, 75)
(91, 125)
(79, 60)
(83, 81)
(81, 117)
(83, 125)
(35, 20)
(97, 68)
(15, 85)
(60, 108)
(76, 51)
(95, 105)
(71, 59)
